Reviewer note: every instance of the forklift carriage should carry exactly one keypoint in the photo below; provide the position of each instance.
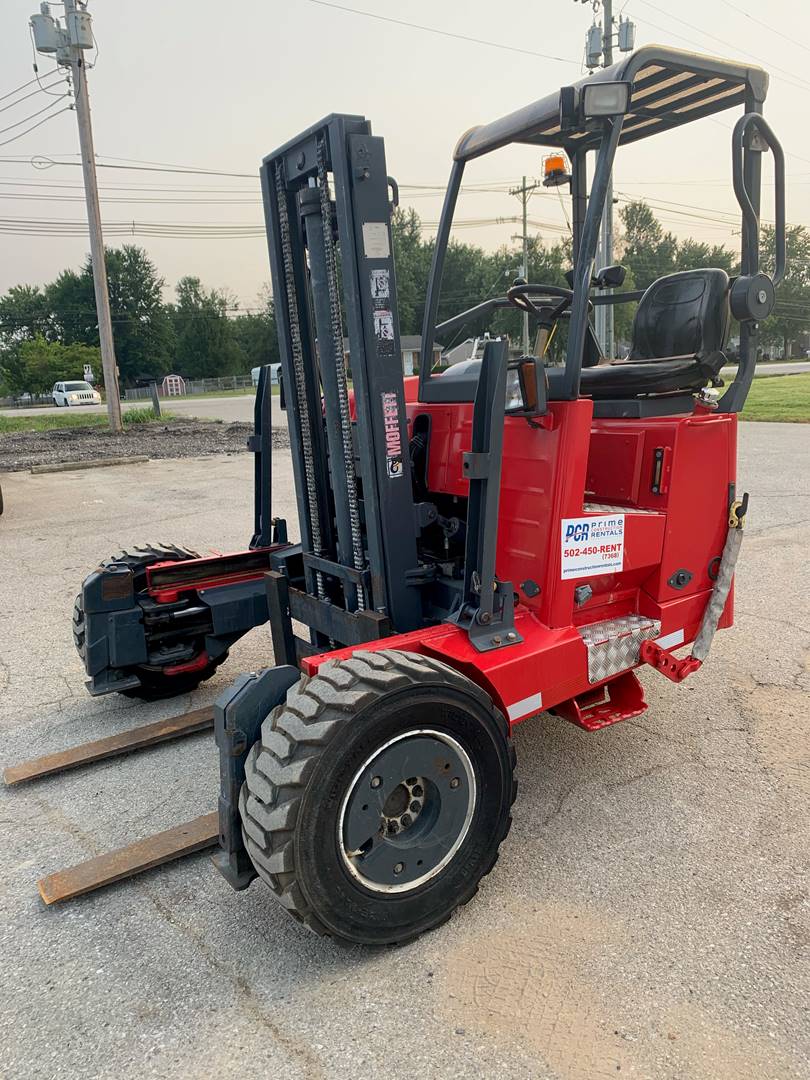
(476, 545)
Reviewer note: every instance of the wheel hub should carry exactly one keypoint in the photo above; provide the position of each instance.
(403, 806)
(407, 811)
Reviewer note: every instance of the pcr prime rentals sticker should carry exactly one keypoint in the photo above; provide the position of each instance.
(592, 545)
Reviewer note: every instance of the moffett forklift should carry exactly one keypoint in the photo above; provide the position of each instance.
(476, 544)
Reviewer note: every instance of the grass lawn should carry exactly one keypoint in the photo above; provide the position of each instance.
(61, 420)
(784, 398)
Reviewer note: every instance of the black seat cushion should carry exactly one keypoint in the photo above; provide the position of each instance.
(623, 378)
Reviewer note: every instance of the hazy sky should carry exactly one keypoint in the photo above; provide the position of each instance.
(217, 86)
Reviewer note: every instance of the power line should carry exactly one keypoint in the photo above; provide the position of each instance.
(47, 162)
(443, 33)
(67, 108)
(768, 26)
(11, 93)
(803, 85)
(25, 97)
(25, 120)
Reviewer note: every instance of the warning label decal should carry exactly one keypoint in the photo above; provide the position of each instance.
(380, 284)
(592, 545)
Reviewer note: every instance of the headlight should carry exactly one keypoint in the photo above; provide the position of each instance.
(514, 391)
(73, 397)
(605, 99)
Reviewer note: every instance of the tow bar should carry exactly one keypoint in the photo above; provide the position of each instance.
(663, 660)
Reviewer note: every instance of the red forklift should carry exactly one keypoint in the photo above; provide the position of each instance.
(477, 545)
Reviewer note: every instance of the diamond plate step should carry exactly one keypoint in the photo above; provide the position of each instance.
(613, 645)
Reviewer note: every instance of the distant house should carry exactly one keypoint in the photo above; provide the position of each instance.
(470, 349)
(411, 349)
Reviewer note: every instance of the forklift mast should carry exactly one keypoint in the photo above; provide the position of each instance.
(326, 200)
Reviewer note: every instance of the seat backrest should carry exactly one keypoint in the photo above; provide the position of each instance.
(684, 314)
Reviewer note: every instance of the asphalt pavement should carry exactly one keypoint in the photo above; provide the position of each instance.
(648, 916)
(229, 407)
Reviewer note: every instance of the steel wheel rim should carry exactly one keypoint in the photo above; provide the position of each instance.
(445, 805)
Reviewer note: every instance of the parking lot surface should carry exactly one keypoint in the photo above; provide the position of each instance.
(648, 916)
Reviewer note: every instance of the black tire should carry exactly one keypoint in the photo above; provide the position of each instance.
(155, 685)
(78, 626)
(302, 777)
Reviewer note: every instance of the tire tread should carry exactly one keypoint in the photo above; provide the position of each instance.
(299, 731)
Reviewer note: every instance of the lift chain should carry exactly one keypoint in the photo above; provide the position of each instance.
(340, 367)
(298, 370)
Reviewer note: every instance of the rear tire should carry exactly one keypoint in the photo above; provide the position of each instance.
(155, 684)
(322, 817)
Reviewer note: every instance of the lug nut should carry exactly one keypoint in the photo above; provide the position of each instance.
(454, 782)
(405, 821)
(417, 791)
(415, 807)
(376, 781)
(400, 866)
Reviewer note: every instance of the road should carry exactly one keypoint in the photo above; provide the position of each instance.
(235, 407)
(648, 916)
(240, 406)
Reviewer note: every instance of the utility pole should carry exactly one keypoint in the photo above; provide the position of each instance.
(524, 191)
(69, 43)
(606, 228)
(599, 47)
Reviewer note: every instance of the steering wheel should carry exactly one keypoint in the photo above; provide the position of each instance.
(519, 296)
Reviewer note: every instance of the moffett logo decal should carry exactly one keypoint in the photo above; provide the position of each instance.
(393, 440)
(592, 545)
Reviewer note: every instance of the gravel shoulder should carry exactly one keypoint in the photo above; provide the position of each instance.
(177, 438)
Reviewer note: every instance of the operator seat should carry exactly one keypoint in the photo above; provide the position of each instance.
(679, 334)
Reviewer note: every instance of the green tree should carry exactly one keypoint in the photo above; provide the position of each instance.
(23, 315)
(40, 363)
(72, 308)
(255, 335)
(694, 255)
(791, 315)
(646, 250)
(142, 332)
(205, 345)
(412, 259)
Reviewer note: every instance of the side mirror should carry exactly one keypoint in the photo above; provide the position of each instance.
(526, 387)
(610, 277)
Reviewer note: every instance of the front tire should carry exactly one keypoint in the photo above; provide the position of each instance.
(378, 795)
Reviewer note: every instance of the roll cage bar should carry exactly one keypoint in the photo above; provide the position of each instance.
(667, 88)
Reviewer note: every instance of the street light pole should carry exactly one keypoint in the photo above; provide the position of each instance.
(68, 44)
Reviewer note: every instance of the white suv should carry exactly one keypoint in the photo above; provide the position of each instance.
(75, 393)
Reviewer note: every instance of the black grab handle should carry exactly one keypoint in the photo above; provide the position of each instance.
(741, 128)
